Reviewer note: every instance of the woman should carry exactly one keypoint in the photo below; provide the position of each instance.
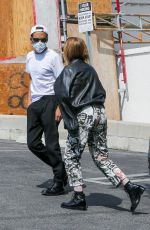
(81, 97)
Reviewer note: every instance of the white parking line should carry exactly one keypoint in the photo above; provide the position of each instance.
(100, 180)
(97, 182)
(142, 179)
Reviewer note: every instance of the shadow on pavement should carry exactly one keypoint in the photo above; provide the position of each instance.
(49, 182)
(45, 184)
(139, 213)
(107, 200)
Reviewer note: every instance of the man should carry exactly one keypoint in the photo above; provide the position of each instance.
(43, 114)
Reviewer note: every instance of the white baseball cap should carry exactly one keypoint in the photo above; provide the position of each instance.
(39, 28)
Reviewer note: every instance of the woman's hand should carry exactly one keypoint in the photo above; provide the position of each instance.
(58, 116)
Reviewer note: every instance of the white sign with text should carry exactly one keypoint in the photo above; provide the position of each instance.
(85, 20)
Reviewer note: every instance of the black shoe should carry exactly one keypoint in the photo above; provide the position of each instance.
(134, 191)
(77, 202)
(55, 190)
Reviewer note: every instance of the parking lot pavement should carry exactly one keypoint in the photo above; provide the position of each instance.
(22, 207)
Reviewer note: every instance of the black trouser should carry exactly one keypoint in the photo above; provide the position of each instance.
(41, 118)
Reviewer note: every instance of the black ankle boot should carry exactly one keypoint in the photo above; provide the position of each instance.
(77, 202)
(134, 191)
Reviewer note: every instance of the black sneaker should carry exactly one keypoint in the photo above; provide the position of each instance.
(77, 202)
(134, 191)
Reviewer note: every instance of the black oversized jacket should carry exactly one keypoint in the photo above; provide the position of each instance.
(77, 86)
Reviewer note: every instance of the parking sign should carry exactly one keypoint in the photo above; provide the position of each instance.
(85, 20)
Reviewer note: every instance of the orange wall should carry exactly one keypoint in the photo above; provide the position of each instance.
(99, 6)
(13, 89)
(16, 19)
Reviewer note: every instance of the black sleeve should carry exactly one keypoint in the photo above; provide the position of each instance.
(62, 84)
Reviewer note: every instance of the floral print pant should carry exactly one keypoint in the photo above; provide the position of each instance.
(92, 131)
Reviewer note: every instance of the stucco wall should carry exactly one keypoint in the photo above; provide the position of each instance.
(137, 108)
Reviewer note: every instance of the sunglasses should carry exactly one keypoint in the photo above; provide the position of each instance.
(39, 39)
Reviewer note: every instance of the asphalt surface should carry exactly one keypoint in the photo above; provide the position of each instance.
(22, 207)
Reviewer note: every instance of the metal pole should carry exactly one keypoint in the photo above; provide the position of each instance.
(64, 20)
(122, 49)
(118, 6)
(88, 43)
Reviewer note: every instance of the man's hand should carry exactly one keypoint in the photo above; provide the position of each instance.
(58, 116)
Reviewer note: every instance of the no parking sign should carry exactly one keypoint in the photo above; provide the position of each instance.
(85, 20)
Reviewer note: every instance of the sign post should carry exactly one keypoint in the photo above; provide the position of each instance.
(85, 23)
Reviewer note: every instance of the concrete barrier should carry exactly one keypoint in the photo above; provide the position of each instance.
(130, 136)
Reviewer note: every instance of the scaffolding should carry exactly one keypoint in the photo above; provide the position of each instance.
(125, 23)
(129, 28)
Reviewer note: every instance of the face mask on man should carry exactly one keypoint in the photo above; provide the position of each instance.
(39, 46)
